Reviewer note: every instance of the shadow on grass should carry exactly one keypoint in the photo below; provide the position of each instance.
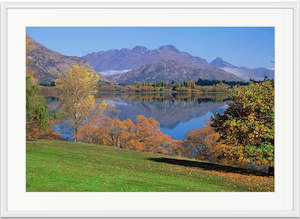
(210, 166)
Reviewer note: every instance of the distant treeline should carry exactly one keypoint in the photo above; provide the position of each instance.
(162, 84)
(186, 83)
(202, 82)
(190, 83)
(49, 84)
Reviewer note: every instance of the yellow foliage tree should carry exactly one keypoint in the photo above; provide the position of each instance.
(75, 94)
(247, 127)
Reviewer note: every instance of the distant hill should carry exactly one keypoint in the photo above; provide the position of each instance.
(243, 72)
(140, 64)
(125, 59)
(173, 71)
(47, 63)
(220, 63)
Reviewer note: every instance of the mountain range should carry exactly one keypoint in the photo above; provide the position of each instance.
(140, 63)
(242, 72)
(125, 66)
(170, 70)
(47, 63)
(138, 56)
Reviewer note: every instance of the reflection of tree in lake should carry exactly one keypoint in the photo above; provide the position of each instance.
(168, 113)
(53, 104)
(177, 114)
(162, 97)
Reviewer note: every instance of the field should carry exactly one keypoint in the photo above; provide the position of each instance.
(60, 166)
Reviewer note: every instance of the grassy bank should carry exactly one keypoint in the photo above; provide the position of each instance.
(65, 166)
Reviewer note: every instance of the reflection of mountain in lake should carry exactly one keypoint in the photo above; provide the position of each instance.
(177, 116)
(168, 113)
(53, 104)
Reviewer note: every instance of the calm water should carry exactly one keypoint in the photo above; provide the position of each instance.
(177, 116)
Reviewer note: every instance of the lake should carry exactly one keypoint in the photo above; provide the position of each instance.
(177, 114)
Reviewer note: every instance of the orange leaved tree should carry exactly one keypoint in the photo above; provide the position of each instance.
(201, 143)
(149, 134)
(144, 136)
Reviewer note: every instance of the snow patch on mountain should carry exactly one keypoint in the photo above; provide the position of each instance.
(114, 72)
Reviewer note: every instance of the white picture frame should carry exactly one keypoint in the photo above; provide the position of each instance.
(8, 172)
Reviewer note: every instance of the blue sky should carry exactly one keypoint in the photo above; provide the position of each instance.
(241, 46)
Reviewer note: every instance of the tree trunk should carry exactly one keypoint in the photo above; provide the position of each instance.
(271, 171)
(75, 134)
(76, 127)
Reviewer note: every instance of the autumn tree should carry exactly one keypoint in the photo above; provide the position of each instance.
(247, 127)
(90, 134)
(144, 136)
(148, 133)
(127, 138)
(201, 143)
(112, 131)
(78, 104)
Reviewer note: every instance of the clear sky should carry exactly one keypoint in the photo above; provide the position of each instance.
(241, 46)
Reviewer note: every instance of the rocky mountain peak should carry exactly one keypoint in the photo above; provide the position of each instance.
(219, 62)
(140, 49)
(169, 47)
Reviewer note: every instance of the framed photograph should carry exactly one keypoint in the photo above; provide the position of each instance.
(150, 109)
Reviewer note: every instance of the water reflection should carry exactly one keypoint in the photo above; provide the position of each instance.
(176, 118)
(176, 113)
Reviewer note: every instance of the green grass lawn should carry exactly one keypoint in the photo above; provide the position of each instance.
(60, 166)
